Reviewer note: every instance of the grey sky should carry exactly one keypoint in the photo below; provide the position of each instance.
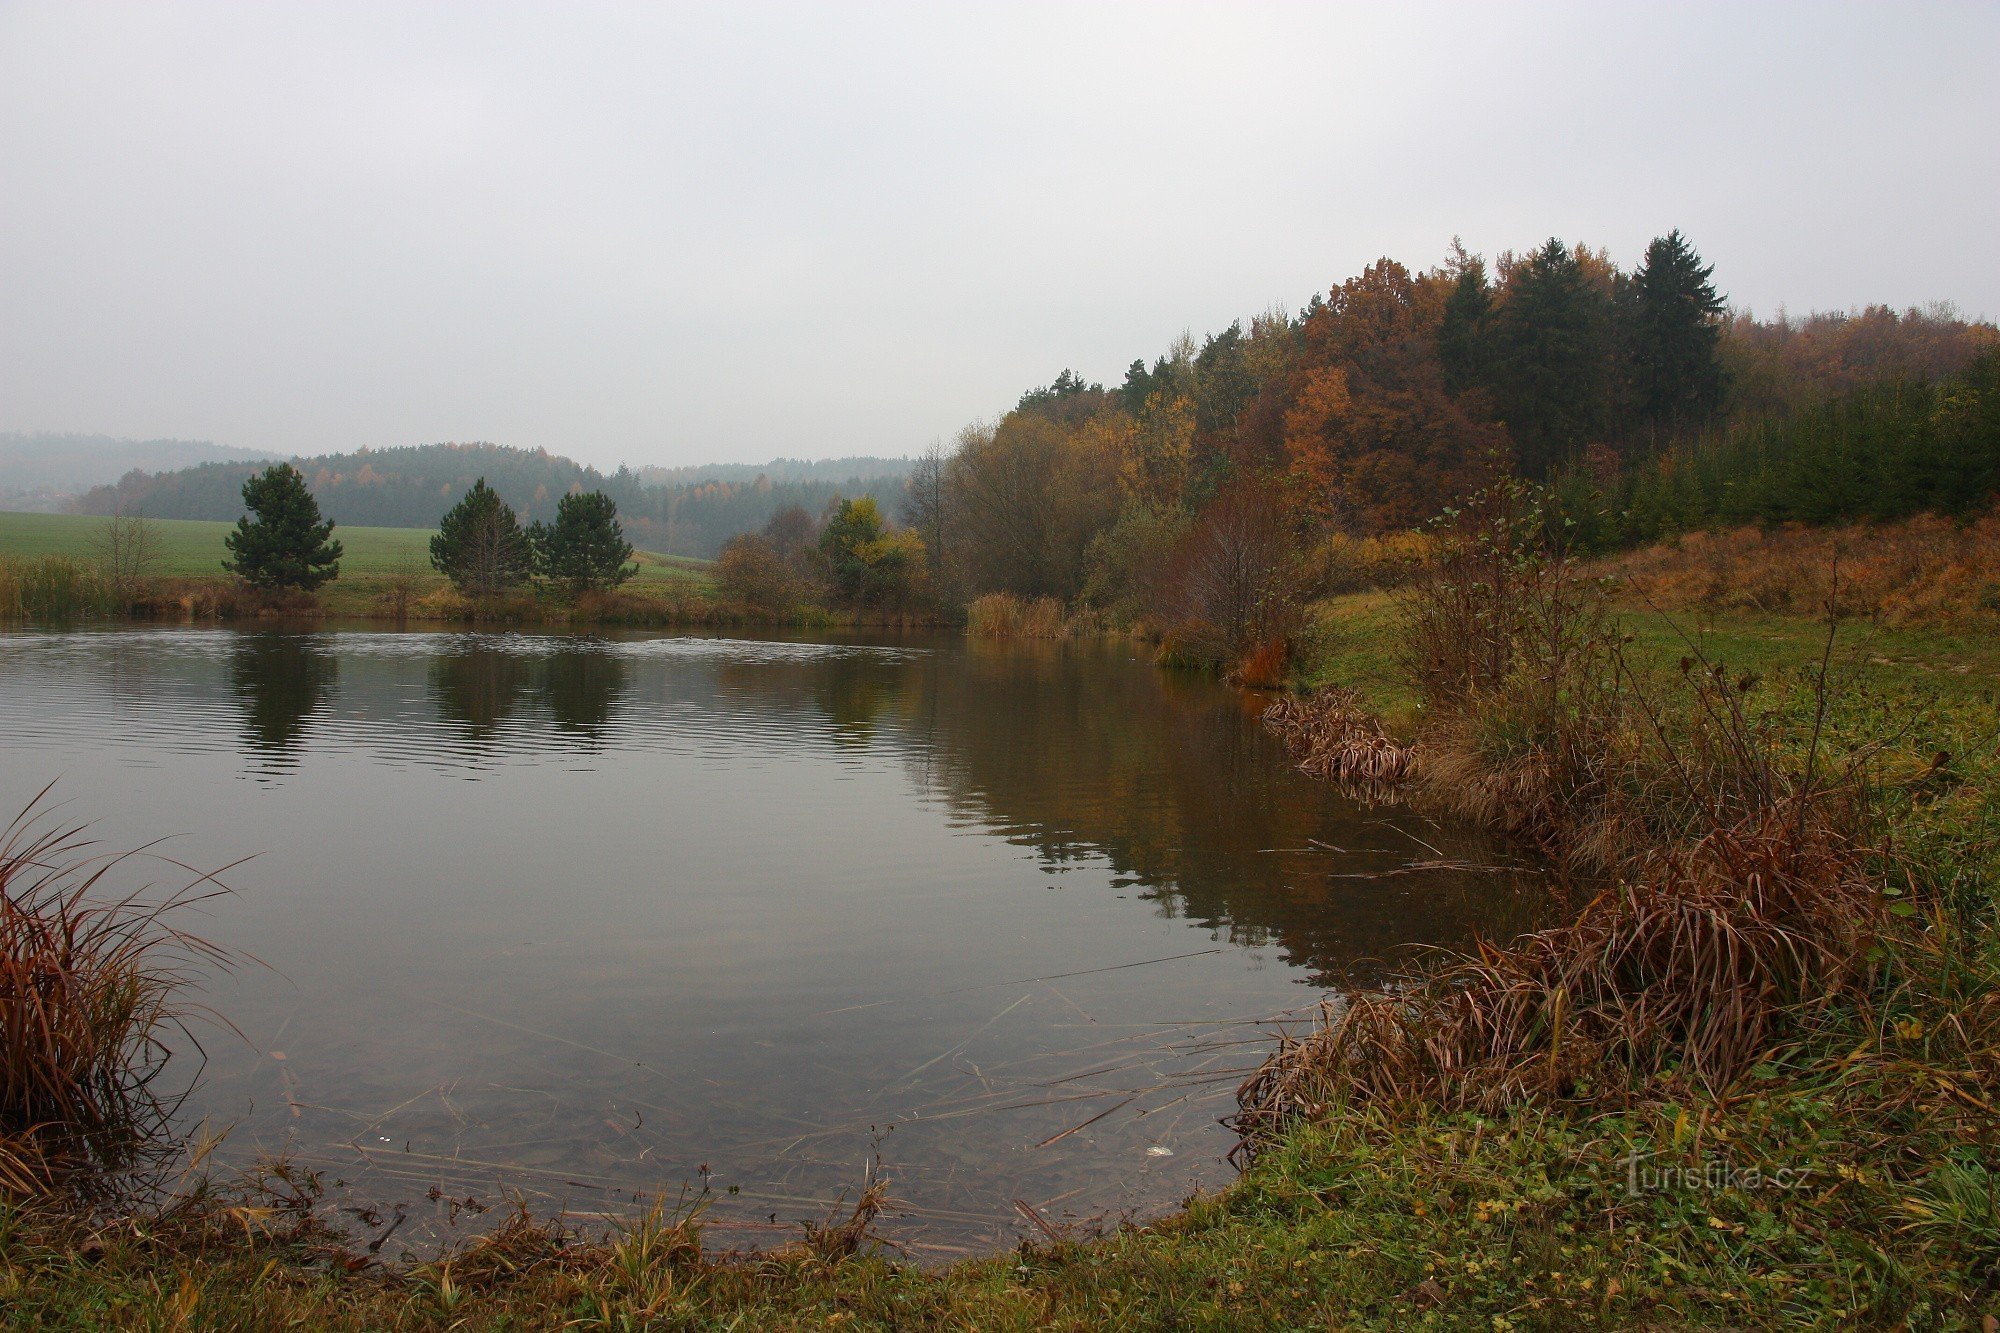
(722, 232)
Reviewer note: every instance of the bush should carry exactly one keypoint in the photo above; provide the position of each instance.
(751, 571)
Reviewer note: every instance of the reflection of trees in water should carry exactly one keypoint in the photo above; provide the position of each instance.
(1077, 752)
(477, 686)
(280, 680)
(853, 690)
(582, 686)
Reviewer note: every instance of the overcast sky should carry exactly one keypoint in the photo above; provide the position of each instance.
(673, 234)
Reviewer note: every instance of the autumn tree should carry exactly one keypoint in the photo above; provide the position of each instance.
(127, 548)
(866, 562)
(1374, 437)
(282, 543)
(479, 544)
(1231, 581)
(1027, 497)
(751, 570)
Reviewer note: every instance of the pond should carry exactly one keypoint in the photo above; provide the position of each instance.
(587, 921)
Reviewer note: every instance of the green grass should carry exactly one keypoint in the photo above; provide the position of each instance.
(192, 548)
(1352, 641)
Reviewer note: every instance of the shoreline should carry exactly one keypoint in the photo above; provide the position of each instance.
(1371, 1217)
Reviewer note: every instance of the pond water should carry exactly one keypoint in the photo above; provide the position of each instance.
(585, 921)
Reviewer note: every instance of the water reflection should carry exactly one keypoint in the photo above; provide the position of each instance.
(477, 685)
(800, 890)
(583, 685)
(280, 680)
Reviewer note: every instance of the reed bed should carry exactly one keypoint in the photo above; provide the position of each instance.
(52, 588)
(1002, 615)
(1333, 736)
(92, 980)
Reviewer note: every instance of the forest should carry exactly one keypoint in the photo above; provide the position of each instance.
(683, 511)
(1229, 481)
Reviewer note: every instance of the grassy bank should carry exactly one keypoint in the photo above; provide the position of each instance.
(1845, 1176)
(384, 573)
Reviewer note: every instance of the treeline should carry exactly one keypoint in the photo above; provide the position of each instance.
(1219, 484)
(411, 487)
(1882, 451)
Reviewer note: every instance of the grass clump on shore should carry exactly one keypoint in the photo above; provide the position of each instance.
(91, 980)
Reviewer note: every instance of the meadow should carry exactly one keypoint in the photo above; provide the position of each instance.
(192, 548)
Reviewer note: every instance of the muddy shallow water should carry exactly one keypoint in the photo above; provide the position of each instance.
(589, 920)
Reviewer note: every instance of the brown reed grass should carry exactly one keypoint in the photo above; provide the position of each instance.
(92, 980)
(1002, 615)
(1332, 735)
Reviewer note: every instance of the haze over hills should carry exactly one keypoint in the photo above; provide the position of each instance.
(677, 511)
(42, 471)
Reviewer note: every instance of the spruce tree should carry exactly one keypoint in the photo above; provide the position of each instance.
(479, 544)
(1463, 342)
(1553, 359)
(585, 548)
(282, 543)
(1676, 331)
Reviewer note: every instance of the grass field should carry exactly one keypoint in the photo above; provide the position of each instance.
(192, 548)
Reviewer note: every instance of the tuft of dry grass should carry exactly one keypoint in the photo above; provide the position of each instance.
(1333, 736)
(91, 981)
(1697, 964)
(1002, 615)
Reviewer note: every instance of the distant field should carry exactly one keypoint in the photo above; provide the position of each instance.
(190, 547)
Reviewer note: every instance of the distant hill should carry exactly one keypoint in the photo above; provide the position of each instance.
(40, 472)
(677, 511)
(837, 470)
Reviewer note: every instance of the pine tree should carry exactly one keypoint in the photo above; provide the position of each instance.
(282, 542)
(1676, 331)
(585, 548)
(479, 544)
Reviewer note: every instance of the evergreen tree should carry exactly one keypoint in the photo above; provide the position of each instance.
(1676, 329)
(282, 542)
(479, 544)
(585, 548)
(1553, 367)
(1463, 339)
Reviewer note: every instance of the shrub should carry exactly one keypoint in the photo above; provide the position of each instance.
(750, 570)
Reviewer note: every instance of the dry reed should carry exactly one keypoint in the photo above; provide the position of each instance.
(91, 982)
(1331, 735)
(1002, 615)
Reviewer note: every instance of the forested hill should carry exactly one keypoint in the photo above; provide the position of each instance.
(683, 511)
(41, 471)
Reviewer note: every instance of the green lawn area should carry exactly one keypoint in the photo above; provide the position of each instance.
(1352, 640)
(193, 547)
